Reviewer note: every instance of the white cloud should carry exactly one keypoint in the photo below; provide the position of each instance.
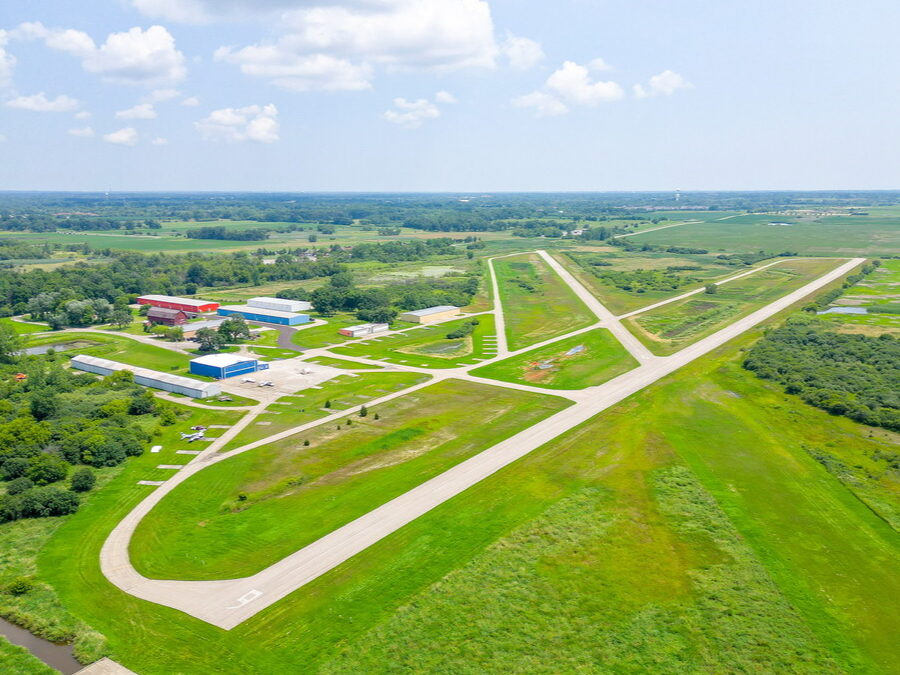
(664, 84)
(140, 57)
(159, 141)
(7, 61)
(83, 115)
(411, 113)
(599, 65)
(144, 111)
(40, 103)
(204, 11)
(191, 101)
(235, 125)
(570, 85)
(522, 53)
(444, 97)
(299, 72)
(339, 45)
(126, 136)
(161, 95)
(84, 132)
(544, 104)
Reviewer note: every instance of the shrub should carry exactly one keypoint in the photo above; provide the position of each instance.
(14, 467)
(363, 411)
(19, 485)
(43, 502)
(46, 469)
(82, 480)
(20, 586)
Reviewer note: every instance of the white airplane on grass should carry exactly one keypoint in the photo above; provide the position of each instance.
(190, 438)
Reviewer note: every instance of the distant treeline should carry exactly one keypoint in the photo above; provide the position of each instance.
(223, 233)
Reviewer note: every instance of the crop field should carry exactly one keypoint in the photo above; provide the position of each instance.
(585, 360)
(832, 235)
(429, 346)
(537, 304)
(669, 328)
(237, 517)
(619, 301)
(341, 393)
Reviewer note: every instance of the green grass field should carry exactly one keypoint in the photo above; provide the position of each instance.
(341, 363)
(125, 350)
(669, 328)
(24, 328)
(601, 359)
(428, 346)
(596, 549)
(833, 235)
(18, 661)
(294, 494)
(537, 303)
(343, 392)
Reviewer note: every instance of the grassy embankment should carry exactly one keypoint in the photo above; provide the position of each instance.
(246, 513)
(537, 303)
(428, 346)
(342, 393)
(601, 359)
(123, 349)
(670, 328)
(15, 660)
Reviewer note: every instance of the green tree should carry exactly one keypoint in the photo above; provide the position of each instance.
(47, 468)
(10, 342)
(82, 480)
(121, 317)
(712, 289)
(209, 340)
(364, 411)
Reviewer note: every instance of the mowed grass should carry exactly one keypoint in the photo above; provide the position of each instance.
(341, 363)
(251, 510)
(429, 346)
(562, 365)
(633, 584)
(124, 350)
(537, 303)
(667, 329)
(24, 328)
(341, 393)
(876, 234)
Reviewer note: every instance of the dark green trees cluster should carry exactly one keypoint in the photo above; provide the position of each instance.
(857, 376)
(56, 420)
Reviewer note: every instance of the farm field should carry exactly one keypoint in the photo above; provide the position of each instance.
(669, 328)
(429, 347)
(831, 235)
(243, 514)
(703, 268)
(341, 393)
(585, 360)
(537, 304)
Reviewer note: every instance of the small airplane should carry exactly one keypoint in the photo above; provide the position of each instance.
(190, 438)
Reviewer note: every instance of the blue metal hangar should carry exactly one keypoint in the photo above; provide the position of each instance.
(221, 366)
(264, 315)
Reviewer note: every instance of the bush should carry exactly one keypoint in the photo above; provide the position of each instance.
(19, 485)
(83, 480)
(46, 469)
(20, 586)
(44, 502)
(14, 467)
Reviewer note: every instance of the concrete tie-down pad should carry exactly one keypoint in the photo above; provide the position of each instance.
(228, 603)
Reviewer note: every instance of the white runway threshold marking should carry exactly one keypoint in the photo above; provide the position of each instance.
(230, 602)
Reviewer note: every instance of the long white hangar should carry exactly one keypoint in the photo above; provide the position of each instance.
(148, 378)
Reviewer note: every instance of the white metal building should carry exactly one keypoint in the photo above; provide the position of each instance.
(364, 329)
(148, 378)
(280, 304)
(430, 315)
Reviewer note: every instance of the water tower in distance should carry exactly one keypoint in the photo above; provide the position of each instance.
(677, 195)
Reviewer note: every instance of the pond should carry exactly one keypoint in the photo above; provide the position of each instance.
(845, 310)
(54, 655)
(59, 347)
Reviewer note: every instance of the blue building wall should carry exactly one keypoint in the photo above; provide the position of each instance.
(233, 370)
(260, 315)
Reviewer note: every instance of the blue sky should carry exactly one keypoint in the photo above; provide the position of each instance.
(449, 95)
